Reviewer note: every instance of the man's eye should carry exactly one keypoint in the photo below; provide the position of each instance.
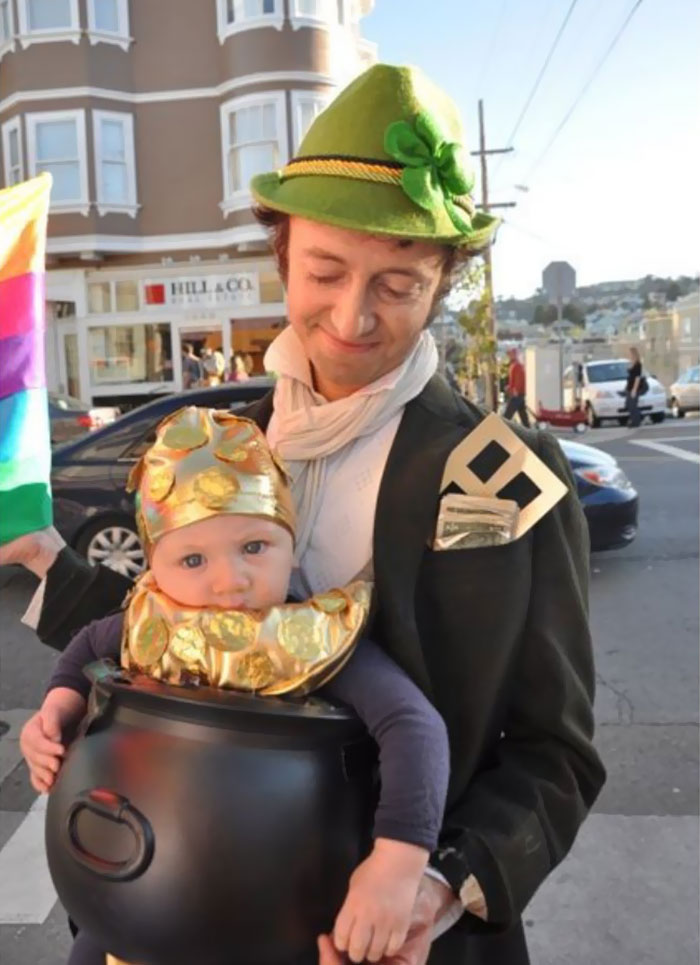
(397, 294)
(255, 547)
(192, 561)
(325, 279)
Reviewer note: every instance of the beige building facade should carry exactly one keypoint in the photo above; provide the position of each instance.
(152, 116)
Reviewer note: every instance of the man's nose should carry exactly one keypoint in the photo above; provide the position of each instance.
(352, 314)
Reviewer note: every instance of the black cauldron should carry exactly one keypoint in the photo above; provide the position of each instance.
(200, 826)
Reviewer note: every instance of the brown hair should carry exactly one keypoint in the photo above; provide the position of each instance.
(455, 257)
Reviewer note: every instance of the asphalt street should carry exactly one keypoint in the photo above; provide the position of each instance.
(628, 892)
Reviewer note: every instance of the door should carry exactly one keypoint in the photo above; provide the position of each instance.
(204, 337)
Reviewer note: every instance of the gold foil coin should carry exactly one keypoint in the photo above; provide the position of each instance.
(333, 602)
(230, 450)
(187, 644)
(184, 437)
(215, 488)
(300, 636)
(231, 631)
(150, 642)
(255, 671)
(161, 480)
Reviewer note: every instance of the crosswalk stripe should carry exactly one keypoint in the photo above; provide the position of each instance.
(10, 754)
(27, 894)
(668, 450)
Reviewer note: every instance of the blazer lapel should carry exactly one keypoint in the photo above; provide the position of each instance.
(406, 515)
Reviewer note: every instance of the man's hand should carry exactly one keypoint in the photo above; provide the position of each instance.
(37, 551)
(433, 899)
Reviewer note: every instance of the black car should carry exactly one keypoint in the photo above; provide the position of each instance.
(94, 513)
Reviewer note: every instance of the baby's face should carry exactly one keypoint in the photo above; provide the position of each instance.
(235, 562)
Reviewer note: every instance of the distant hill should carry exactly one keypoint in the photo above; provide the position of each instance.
(627, 295)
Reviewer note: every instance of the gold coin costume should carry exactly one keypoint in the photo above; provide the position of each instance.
(204, 463)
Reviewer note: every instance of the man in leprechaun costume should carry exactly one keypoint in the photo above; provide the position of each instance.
(397, 478)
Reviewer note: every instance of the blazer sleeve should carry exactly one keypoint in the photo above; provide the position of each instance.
(75, 595)
(519, 816)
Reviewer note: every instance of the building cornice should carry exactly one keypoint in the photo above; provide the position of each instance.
(140, 244)
(150, 97)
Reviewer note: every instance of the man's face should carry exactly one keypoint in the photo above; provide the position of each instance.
(357, 302)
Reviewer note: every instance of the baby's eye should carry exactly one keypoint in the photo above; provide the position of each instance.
(192, 561)
(255, 547)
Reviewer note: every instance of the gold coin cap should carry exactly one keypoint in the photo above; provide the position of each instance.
(206, 462)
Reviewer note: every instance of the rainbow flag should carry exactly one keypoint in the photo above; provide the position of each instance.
(25, 440)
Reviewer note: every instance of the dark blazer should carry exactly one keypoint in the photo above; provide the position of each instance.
(498, 638)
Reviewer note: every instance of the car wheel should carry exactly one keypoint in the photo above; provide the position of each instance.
(622, 420)
(113, 541)
(676, 410)
(591, 418)
(657, 417)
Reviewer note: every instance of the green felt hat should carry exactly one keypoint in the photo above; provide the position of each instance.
(386, 157)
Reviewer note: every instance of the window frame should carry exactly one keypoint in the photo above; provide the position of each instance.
(32, 121)
(299, 19)
(237, 200)
(27, 36)
(14, 124)
(131, 205)
(298, 99)
(243, 23)
(120, 37)
(7, 45)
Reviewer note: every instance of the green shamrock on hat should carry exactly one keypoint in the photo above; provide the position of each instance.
(435, 172)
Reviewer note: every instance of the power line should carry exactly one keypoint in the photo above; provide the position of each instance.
(584, 89)
(486, 63)
(541, 73)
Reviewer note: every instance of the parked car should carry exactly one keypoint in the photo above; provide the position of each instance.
(602, 392)
(70, 418)
(95, 514)
(684, 394)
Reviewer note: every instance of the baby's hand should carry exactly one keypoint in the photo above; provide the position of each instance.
(374, 920)
(41, 738)
(40, 742)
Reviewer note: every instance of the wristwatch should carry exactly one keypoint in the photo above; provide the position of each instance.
(449, 864)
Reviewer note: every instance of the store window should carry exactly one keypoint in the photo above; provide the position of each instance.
(271, 288)
(70, 345)
(126, 296)
(253, 141)
(130, 354)
(112, 296)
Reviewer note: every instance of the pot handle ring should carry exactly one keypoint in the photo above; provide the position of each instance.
(112, 806)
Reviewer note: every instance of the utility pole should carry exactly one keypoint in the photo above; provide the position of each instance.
(486, 205)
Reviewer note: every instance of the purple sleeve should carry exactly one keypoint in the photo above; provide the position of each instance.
(97, 641)
(414, 759)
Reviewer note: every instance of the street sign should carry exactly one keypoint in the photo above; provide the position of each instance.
(559, 281)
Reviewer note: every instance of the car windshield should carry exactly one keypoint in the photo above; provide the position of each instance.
(607, 372)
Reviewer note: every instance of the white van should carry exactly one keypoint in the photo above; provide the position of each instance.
(601, 390)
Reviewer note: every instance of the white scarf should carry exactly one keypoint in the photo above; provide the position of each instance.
(308, 429)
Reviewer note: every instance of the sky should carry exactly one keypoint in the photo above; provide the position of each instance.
(617, 194)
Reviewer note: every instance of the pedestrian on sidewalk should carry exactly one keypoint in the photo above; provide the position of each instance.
(515, 390)
(632, 389)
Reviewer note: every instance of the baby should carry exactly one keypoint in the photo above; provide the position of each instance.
(216, 518)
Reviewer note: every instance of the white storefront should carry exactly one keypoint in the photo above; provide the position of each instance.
(117, 333)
